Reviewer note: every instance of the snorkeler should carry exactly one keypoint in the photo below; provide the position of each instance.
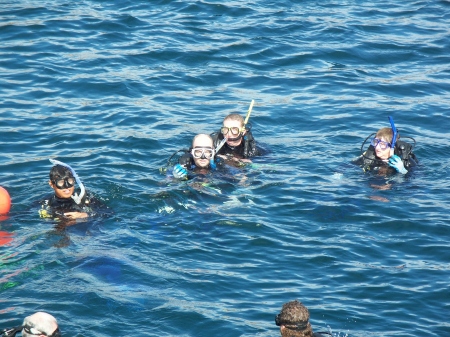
(239, 142)
(199, 159)
(293, 321)
(386, 150)
(38, 324)
(65, 203)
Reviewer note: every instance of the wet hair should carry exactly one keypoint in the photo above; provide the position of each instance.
(203, 135)
(295, 312)
(387, 134)
(235, 117)
(42, 322)
(60, 172)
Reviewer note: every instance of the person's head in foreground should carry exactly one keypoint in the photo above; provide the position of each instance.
(293, 320)
(202, 150)
(233, 129)
(383, 143)
(62, 181)
(40, 324)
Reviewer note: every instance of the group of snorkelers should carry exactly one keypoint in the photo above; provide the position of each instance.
(385, 154)
(233, 144)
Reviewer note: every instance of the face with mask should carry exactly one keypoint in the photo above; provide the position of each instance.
(233, 131)
(63, 186)
(202, 150)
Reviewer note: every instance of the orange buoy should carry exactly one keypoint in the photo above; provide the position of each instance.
(5, 201)
(5, 238)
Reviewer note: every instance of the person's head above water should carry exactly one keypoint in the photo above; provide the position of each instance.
(62, 181)
(202, 150)
(293, 320)
(40, 324)
(233, 129)
(383, 143)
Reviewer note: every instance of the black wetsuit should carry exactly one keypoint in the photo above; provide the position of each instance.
(369, 161)
(246, 149)
(54, 207)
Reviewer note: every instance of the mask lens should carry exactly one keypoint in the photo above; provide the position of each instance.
(59, 183)
(32, 331)
(235, 131)
(208, 153)
(197, 153)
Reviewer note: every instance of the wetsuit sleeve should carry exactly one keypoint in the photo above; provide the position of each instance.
(358, 161)
(94, 207)
(185, 160)
(250, 149)
(412, 161)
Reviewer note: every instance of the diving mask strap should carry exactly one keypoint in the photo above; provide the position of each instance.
(77, 198)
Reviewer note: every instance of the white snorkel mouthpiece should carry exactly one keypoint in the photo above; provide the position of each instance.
(77, 198)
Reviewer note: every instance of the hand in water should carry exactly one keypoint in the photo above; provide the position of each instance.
(76, 215)
(179, 172)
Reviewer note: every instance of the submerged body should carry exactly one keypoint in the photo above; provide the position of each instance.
(56, 207)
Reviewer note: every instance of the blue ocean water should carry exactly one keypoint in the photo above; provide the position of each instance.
(114, 88)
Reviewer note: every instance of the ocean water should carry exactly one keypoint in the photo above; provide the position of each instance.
(114, 88)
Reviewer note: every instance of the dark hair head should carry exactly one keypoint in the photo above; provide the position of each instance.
(295, 314)
(60, 172)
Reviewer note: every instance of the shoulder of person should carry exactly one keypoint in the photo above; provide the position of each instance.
(358, 160)
(404, 151)
(249, 136)
(185, 160)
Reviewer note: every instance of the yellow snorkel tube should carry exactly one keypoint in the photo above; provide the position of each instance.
(249, 112)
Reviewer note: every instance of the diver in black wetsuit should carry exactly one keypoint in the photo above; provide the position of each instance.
(65, 203)
(293, 321)
(387, 153)
(240, 143)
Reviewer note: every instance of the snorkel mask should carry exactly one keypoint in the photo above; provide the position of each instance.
(77, 198)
